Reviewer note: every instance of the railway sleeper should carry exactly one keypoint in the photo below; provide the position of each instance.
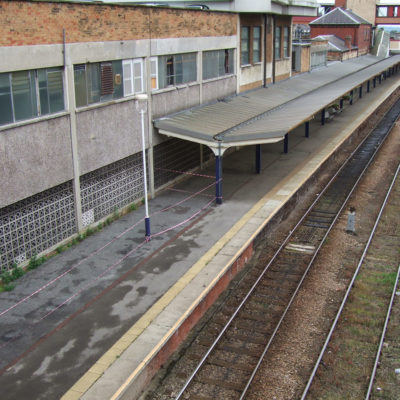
(263, 316)
(291, 267)
(288, 268)
(274, 299)
(241, 349)
(315, 225)
(278, 287)
(222, 376)
(247, 338)
(234, 364)
(256, 326)
(211, 391)
(262, 307)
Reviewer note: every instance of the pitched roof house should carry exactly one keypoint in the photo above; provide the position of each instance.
(346, 25)
(338, 49)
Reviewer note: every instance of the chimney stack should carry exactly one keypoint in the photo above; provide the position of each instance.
(347, 40)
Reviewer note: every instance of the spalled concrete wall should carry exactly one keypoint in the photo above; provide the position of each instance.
(283, 69)
(220, 88)
(251, 77)
(108, 134)
(175, 99)
(34, 157)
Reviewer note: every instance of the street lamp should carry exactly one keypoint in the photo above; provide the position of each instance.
(141, 106)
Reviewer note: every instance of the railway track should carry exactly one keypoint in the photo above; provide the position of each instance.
(249, 321)
(345, 300)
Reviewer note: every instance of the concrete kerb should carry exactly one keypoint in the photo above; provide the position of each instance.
(239, 238)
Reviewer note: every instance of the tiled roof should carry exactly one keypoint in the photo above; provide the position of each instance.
(340, 16)
(335, 43)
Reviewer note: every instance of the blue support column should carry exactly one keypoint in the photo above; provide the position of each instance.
(380, 78)
(341, 104)
(351, 97)
(286, 144)
(258, 158)
(360, 92)
(374, 82)
(323, 116)
(218, 179)
(307, 129)
(147, 228)
(368, 86)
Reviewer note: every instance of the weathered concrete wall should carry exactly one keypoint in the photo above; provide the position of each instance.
(251, 75)
(34, 157)
(108, 134)
(283, 68)
(175, 99)
(220, 88)
(32, 23)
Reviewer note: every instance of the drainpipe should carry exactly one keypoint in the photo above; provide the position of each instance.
(265, 52)
(273, 48)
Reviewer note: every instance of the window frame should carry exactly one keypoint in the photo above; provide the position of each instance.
(382, 9)
(38, 89)
(245, 42)
(218, 63)
(154, 72)
(133, 77)
(286, 41)
(92, 80)
(256, 41)
(278, 43)
(175, 69)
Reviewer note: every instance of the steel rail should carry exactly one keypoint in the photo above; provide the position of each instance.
(308, 268)
(327, 340)
(281, 247)
(379, 351)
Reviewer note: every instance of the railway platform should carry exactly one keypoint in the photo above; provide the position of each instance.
(123, 305)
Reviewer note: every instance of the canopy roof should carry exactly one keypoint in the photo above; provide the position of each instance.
(265, 115)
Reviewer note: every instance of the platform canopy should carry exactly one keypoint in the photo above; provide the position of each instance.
(266, 115)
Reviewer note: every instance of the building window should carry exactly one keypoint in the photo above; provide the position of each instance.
(256, 44)
(154, 72)
(278, 34)
(97, 82)
(286, 41)
(245, 45)
(30, 94)
(382, 12)
(395, 11)
(176, 69)
(133, 76)
(217, 63)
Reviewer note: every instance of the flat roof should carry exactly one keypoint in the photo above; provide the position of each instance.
(265, 115)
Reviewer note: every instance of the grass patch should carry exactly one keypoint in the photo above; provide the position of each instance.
(7, 288)
(35, 262)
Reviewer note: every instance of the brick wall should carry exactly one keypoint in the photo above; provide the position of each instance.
(359, 37)
(30, 23)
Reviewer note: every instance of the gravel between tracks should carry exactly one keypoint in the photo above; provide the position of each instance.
(292, 355)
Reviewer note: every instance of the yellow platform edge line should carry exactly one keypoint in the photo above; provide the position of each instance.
(156, 309)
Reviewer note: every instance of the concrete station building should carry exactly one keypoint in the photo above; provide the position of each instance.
(70, 76)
